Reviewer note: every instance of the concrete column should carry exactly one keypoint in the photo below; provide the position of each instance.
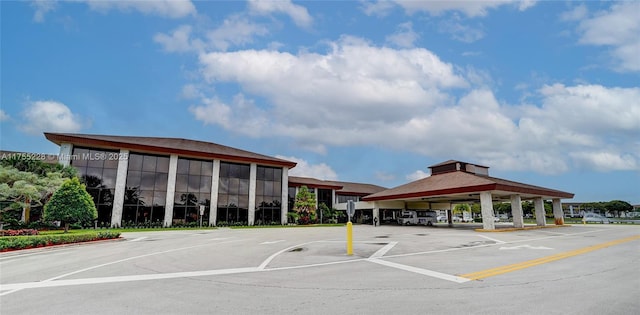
(215, 182)
(333, 198)
(284, 205)
(121, 182)
(376, 213)
(516, 211)
(538, 204)
(64, 158)
(558, 214)
(486, 205)
(252, 193)
(171, 190)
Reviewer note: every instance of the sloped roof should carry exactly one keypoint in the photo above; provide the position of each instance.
(312, 182)
(460, 182)
(346, 188)
(349, 188)
(185, 147)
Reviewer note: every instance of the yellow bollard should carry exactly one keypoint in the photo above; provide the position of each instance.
(349, 238)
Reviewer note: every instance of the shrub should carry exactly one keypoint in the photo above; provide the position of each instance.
(22, 242)
(20, 232)
(71, 204)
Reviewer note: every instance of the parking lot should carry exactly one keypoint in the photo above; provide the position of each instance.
(590, 269)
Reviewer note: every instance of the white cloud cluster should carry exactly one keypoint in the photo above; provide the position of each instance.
(298, 14)
(617, 28)
(166, 8)
(359, 94)
(42, 7)
(41, 116)
(305, 169)
(404, 37)
(419, 174)
(469, 8)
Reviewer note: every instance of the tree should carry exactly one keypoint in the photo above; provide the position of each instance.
(305, 205)
(461, 208)
(22, 189)
(71, 204)
(618, 206)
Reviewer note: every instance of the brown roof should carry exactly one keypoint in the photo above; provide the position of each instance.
(460, 182)
(312, 182)
(345, 188)
(349, 188)
(184, 147)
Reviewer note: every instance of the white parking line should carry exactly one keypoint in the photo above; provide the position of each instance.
(383, 250)
(59, 283)
(138, 239)
(421, 271)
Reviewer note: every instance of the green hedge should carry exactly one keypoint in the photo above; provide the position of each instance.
(23, 242)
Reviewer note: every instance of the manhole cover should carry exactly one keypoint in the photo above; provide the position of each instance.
(380, 243)
(422, 234)
(382, 236)
(298, 249)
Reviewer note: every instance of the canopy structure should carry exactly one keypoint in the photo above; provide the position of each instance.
(461, 182)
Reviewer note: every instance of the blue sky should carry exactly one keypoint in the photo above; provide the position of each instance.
(545, 93)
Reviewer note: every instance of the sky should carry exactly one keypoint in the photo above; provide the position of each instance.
(542, 92)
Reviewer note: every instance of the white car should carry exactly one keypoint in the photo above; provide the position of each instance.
(594, 217)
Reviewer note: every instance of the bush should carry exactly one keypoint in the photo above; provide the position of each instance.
(23, 242)
(19, 232)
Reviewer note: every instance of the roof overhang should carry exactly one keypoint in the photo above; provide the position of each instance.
(83, 140)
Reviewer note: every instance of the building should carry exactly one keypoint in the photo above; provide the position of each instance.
(173, 181)
(454, 182)
(169, 180)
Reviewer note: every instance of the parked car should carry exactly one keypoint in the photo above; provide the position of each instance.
(594, 217)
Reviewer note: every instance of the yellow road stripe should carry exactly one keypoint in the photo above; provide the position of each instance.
(530, 263)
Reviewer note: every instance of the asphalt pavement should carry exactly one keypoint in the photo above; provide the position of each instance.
(581, 269)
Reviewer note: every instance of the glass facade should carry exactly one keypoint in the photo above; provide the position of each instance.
(97, 170)
(291, 196)
(146, 189)
(346, 198)
(193, 189)
(324, 196)
(233, 193)
(268, 195)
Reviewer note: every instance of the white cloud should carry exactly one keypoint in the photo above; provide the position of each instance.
(165, 8)
(241, 114)
(3, 116)
(42, 7)
(419, 174)
(469, 8)
(297, 13)
(378, 8)
(190, 92)
(460, 32)
(236, 30)
(404, 37)
(304, 169)
(403, 99)
(179, 40)
(41, 116)
(576, 14)
(617, 28)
